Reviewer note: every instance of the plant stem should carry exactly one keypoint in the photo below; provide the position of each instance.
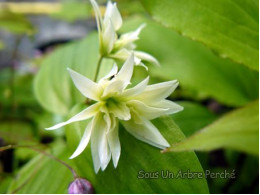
(98, 68)
(42, 152)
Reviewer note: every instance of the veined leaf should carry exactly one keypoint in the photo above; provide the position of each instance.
(194, 65)
(53, 86)
(193, 117)
(236, 130)
(229, 27)
(43, 175)
(136, 158)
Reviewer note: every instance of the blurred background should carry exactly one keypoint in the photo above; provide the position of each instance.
(31, 30)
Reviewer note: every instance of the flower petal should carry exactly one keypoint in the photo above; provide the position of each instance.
(112, 72)
(87, 87)
(146, 132)
(129, 37)
(113, 141)
(157, 92)
(83, 115)
(139, 88)
(113, 14)
(84, 141)
(146, 57)
(94, 151)
(126, 72)
(108, 38)
(98, 15)
(123, 54)
(146, 111)
(99, 145)
(114, 87)
(172, 107)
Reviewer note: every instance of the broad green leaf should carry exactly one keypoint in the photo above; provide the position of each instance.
(137, 156)
(193, 117)
(53, 86)
(236, 130)
(4, 183)
(195, 66)
(43, 175)
(228, 27)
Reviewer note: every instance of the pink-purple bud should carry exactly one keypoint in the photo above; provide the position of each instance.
(80, 186)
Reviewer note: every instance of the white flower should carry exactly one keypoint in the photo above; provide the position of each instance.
(112, 46)
(133, 108)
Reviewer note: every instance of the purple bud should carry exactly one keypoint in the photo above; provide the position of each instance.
(80, 186)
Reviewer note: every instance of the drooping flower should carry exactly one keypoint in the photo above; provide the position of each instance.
(80, 186)
(133, 108)
(112, 46)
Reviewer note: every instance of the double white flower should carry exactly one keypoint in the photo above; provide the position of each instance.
(114, 103)
(112, 46)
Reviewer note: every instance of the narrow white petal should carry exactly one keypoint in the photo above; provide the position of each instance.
(95, 141)
(87, 87)
(114, 144)
(83, 115)
(84, 141)
(114, 86)
(112, 137)
(129, 37)
(126, 72)
(112, 72)
(108, 38)
(98, 15)
(157, 92)
(121, 54)
(94, 152)
(146, 57)
(172, 107)
(142, 64)
(146, 132)
(104, 151)
(113, 14)
(139, 88)
(99, 146)
(146, 111)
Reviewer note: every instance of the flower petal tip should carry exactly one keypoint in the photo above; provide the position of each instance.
(50, 128)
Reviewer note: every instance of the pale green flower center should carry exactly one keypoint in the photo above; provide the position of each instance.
(111, 102)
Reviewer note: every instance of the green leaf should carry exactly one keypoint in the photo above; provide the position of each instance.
(4, 183)
(137, 156)
(15, 131)
(193, 117)
(194, 65)
(236, 130)
(53, 86)
(228, 27)
(43, 175)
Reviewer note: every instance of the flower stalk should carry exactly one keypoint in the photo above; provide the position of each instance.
(98, 68)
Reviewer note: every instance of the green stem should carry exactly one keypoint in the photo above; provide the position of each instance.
(98, 68)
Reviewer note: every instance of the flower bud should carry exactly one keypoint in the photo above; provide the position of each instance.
(80, 186)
